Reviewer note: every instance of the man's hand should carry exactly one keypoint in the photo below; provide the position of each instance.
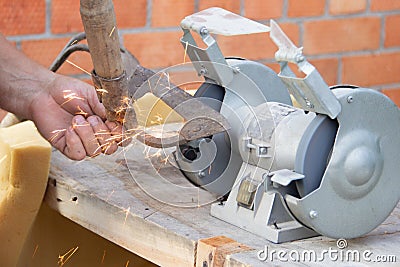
(69, 115)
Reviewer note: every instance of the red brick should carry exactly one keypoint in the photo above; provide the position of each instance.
(263, 10)
(22, 17)
(156, 49)
(332, 36)
(393, 94)
(255, 46)
(231, 5)
(392, 31)
(337, 7)
(3, 113)
(45, 51)
(328, 68)
(185, 79)
(130, 14)
(300, 8)
(371, 70)
(170, 12)
(384, 5)
(274, 66)
(66, 17)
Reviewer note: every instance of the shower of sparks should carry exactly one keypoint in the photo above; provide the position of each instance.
(79, 68)
(69, 96)
(64, 258)
(74, 125)
(159, 119)
(165, 160)
(101, 90)
(34, 252)
(184, 56)
(81, 112)
(127, 263)
(56, 133)
(209, 169)
(126, 211)
(104, 256)
(113, 29)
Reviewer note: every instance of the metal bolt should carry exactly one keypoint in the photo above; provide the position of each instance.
(236, 70)
(313, 214)
(309, 104)
(263, 150)
(205, 264)
(350, 99)
(300, 58)
(203, 71)
(203, 31)
(201, 174)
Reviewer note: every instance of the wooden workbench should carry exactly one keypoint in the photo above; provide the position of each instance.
(150, 209)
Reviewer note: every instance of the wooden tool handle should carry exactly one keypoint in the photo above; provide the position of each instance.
(100, 25)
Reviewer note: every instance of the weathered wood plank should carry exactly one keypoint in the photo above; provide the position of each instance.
(162, 223)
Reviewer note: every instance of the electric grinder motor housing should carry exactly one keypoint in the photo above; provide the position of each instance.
(326, 167)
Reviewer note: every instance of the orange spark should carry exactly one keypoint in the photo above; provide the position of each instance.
(104, 256)
(126, 211)
(165, 160)
(81, 112)
(80, 68)
(113, 29)
(34, 252)
(127, 263)
(101, 90)
(64, 258)
(69, 96)
(184, 56)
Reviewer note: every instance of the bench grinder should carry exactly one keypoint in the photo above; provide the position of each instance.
(328, 166)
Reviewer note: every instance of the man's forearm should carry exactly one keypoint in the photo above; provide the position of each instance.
(21, 80)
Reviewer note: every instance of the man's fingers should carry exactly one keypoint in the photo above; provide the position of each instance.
(73, 146)
(118, 134)
(87, 136)
(94, 103)
(102, 133)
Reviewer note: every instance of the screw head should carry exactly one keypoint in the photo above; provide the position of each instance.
(309, 104)
(313, 214)
(350, 99)
(204, 31)
(203, 71)
(299, 58)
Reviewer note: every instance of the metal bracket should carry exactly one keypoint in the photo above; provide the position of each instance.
(210, 62)
(284, 177)
(311, 92)
(262, 149)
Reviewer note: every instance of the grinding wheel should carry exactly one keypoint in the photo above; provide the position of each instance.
(313, 153)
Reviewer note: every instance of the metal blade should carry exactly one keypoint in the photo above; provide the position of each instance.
(223, 22)
(200, 119)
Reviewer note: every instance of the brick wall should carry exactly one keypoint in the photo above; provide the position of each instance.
(349, 41)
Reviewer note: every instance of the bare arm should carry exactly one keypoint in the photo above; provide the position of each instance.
(66, 111)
